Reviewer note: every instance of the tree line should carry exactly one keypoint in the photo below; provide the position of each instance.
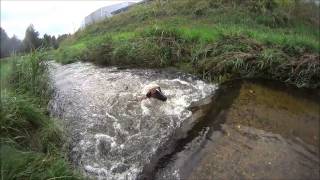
(30, 42)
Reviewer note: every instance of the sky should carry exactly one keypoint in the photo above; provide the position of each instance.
(50, 17)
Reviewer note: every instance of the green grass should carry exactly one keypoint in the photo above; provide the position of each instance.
(18, 164)
(217, 40)
(32, 144)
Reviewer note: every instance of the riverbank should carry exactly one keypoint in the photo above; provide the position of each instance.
(32, 143)
(218, 41)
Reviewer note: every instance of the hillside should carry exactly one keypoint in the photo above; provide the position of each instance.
(217, 40)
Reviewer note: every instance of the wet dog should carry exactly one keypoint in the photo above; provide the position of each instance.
(154, 91)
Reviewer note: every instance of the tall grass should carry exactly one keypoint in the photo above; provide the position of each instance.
(31, 142)
(29, 75)
(218, 40)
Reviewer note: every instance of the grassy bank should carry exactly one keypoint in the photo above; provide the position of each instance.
(218, 40)
(31, 142)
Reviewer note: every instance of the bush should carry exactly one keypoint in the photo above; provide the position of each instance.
(70, 54)
(99, 51)
(236, 57)
(274, 19)
(137, 52)
(30, 75)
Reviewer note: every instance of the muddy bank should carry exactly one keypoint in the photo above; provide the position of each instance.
(255, 130)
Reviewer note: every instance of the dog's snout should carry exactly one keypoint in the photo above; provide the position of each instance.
(159, 95)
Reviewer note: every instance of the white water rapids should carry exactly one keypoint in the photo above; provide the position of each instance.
(114, 135)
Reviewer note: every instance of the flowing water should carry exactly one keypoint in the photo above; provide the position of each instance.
(243, 130)
(114, 134)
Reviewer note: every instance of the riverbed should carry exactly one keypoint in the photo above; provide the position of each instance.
(254, 130)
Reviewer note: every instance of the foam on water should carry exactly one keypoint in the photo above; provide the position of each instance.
(114, 133)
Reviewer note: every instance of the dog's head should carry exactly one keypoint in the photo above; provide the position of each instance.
(156, 93)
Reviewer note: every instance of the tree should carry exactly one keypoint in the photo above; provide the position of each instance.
(54, 42)
(15, 44)
(31, 40)
(62, 37)
(49, 41)
(9, 45)
(4, 41)
(46, 41)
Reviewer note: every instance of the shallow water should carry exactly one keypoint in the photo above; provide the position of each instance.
(113, 134)
(254, 131)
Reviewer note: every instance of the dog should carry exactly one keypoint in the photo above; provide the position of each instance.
(154, 91)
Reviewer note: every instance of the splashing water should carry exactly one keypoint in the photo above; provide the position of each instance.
(115, 134)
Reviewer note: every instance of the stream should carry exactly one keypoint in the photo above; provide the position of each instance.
(113, 134)
(240, 130)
